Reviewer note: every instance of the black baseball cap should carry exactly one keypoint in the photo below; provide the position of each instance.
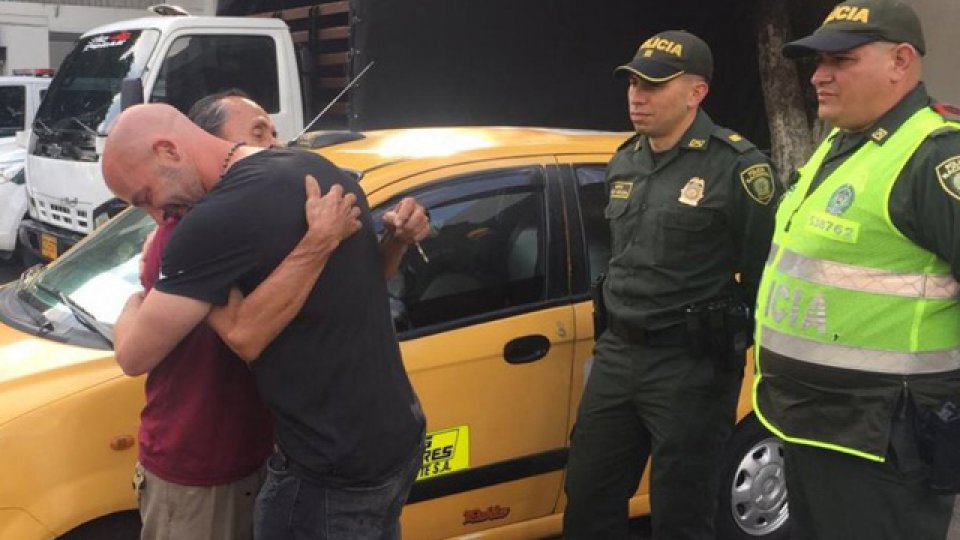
(670, 54)
(858, 22)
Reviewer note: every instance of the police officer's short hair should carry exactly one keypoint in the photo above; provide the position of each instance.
(209, 112)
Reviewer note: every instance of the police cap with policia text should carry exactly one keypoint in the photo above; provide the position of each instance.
(858, 22)
(668, 55)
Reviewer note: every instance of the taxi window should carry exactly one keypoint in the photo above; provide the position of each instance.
(591, 185)
(486, 251)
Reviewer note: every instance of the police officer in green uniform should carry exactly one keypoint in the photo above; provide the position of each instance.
(858, 322)
(690, 207)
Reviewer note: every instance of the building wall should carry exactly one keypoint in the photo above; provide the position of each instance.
(39, 33)
(24, 42)
(940, 19)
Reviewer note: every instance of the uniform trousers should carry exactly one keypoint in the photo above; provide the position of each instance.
(666, 403)
(836, 496)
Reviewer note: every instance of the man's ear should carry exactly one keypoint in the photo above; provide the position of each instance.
(698, 91)
(166, 150)
(905, 57)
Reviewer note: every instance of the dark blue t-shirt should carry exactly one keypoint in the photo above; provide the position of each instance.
(344, 408)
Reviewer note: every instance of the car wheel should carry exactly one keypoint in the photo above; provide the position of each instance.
(753, 486)
(119, 526)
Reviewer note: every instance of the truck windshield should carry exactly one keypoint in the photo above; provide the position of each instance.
(85, 94)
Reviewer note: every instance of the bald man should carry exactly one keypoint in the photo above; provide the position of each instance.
(205, 434)
(333, 377)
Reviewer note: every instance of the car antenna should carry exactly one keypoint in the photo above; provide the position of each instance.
(334, 100)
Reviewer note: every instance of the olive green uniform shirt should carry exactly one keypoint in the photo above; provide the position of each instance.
(684, 222)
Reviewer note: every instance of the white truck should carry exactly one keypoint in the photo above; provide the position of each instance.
(173, 59)
(19, 99)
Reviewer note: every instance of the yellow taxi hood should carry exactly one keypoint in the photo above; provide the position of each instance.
(35, 371)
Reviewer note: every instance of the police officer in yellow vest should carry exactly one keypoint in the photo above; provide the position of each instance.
(690, 205)
(858, 321)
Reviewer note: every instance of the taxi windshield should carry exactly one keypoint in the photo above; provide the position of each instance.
(98, 274)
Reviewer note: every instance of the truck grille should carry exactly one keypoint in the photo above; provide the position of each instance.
(74, 217)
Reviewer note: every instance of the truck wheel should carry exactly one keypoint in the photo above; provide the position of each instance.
(753, 486)
(119, 526)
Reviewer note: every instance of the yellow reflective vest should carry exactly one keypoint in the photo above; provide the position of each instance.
(849, 310)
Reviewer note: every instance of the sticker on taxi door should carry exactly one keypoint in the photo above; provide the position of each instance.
(447, 451)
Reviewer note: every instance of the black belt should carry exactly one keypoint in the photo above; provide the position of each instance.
(671, 336)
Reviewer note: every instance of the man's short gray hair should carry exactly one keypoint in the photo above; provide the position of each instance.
(209, 112)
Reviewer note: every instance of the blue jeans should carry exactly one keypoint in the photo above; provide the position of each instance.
(293, 508)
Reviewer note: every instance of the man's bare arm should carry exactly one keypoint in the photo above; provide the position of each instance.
(151, 325)
(248, 325)
(406, 224)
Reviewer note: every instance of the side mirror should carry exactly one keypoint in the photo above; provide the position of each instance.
(131, 93)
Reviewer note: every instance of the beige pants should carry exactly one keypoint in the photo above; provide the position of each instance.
(175, 512)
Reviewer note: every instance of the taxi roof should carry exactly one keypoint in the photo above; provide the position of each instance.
(396, 153)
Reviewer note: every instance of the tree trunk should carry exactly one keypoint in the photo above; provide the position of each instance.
(791, 138)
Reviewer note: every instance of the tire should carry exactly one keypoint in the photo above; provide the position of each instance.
(119, 526)
(753, 486)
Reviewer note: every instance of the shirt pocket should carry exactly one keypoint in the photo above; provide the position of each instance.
(616, 212)
(686, 237)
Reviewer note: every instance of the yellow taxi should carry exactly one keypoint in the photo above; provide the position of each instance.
(494, 319)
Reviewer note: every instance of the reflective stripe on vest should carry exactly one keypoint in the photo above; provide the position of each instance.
(848, 357)
(861, 278)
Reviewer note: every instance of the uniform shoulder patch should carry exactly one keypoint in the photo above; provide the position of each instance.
(948, 173)
(947, 111)
(733, 139)
(758, 181)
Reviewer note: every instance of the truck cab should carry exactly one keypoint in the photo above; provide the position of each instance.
(177, 60)
(20, 96)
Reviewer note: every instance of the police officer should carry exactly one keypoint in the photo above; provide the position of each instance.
(690, 206)
(858, 318)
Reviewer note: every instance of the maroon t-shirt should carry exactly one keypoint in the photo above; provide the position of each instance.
(204, 423)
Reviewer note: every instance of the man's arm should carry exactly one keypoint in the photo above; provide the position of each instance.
(248, 325)
(151, 325)
(406, 224)
(753, 213)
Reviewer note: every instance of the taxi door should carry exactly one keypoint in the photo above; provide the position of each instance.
(487, 337)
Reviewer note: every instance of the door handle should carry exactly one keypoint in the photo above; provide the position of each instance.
(526, 349)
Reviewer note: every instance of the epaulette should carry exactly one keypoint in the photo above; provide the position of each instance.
(628, 142)
(948, 112)
(734, 139)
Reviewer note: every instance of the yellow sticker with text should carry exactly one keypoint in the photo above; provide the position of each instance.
(447, 451)
(621, 190)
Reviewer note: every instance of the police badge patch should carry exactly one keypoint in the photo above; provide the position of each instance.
(758, 181)
(621, 190)
(841, 199)
(948, 173)
(692, 192)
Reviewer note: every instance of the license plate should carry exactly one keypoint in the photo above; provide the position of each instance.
(48, 246)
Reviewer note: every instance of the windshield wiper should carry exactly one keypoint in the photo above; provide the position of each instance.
(84, 126)
(83, 316)
(46, 128)
(44, 326)
(86, 318)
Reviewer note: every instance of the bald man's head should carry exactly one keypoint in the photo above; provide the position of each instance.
(157, 159)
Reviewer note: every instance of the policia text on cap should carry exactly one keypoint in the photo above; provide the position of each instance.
(858, 319)
(690, 205)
